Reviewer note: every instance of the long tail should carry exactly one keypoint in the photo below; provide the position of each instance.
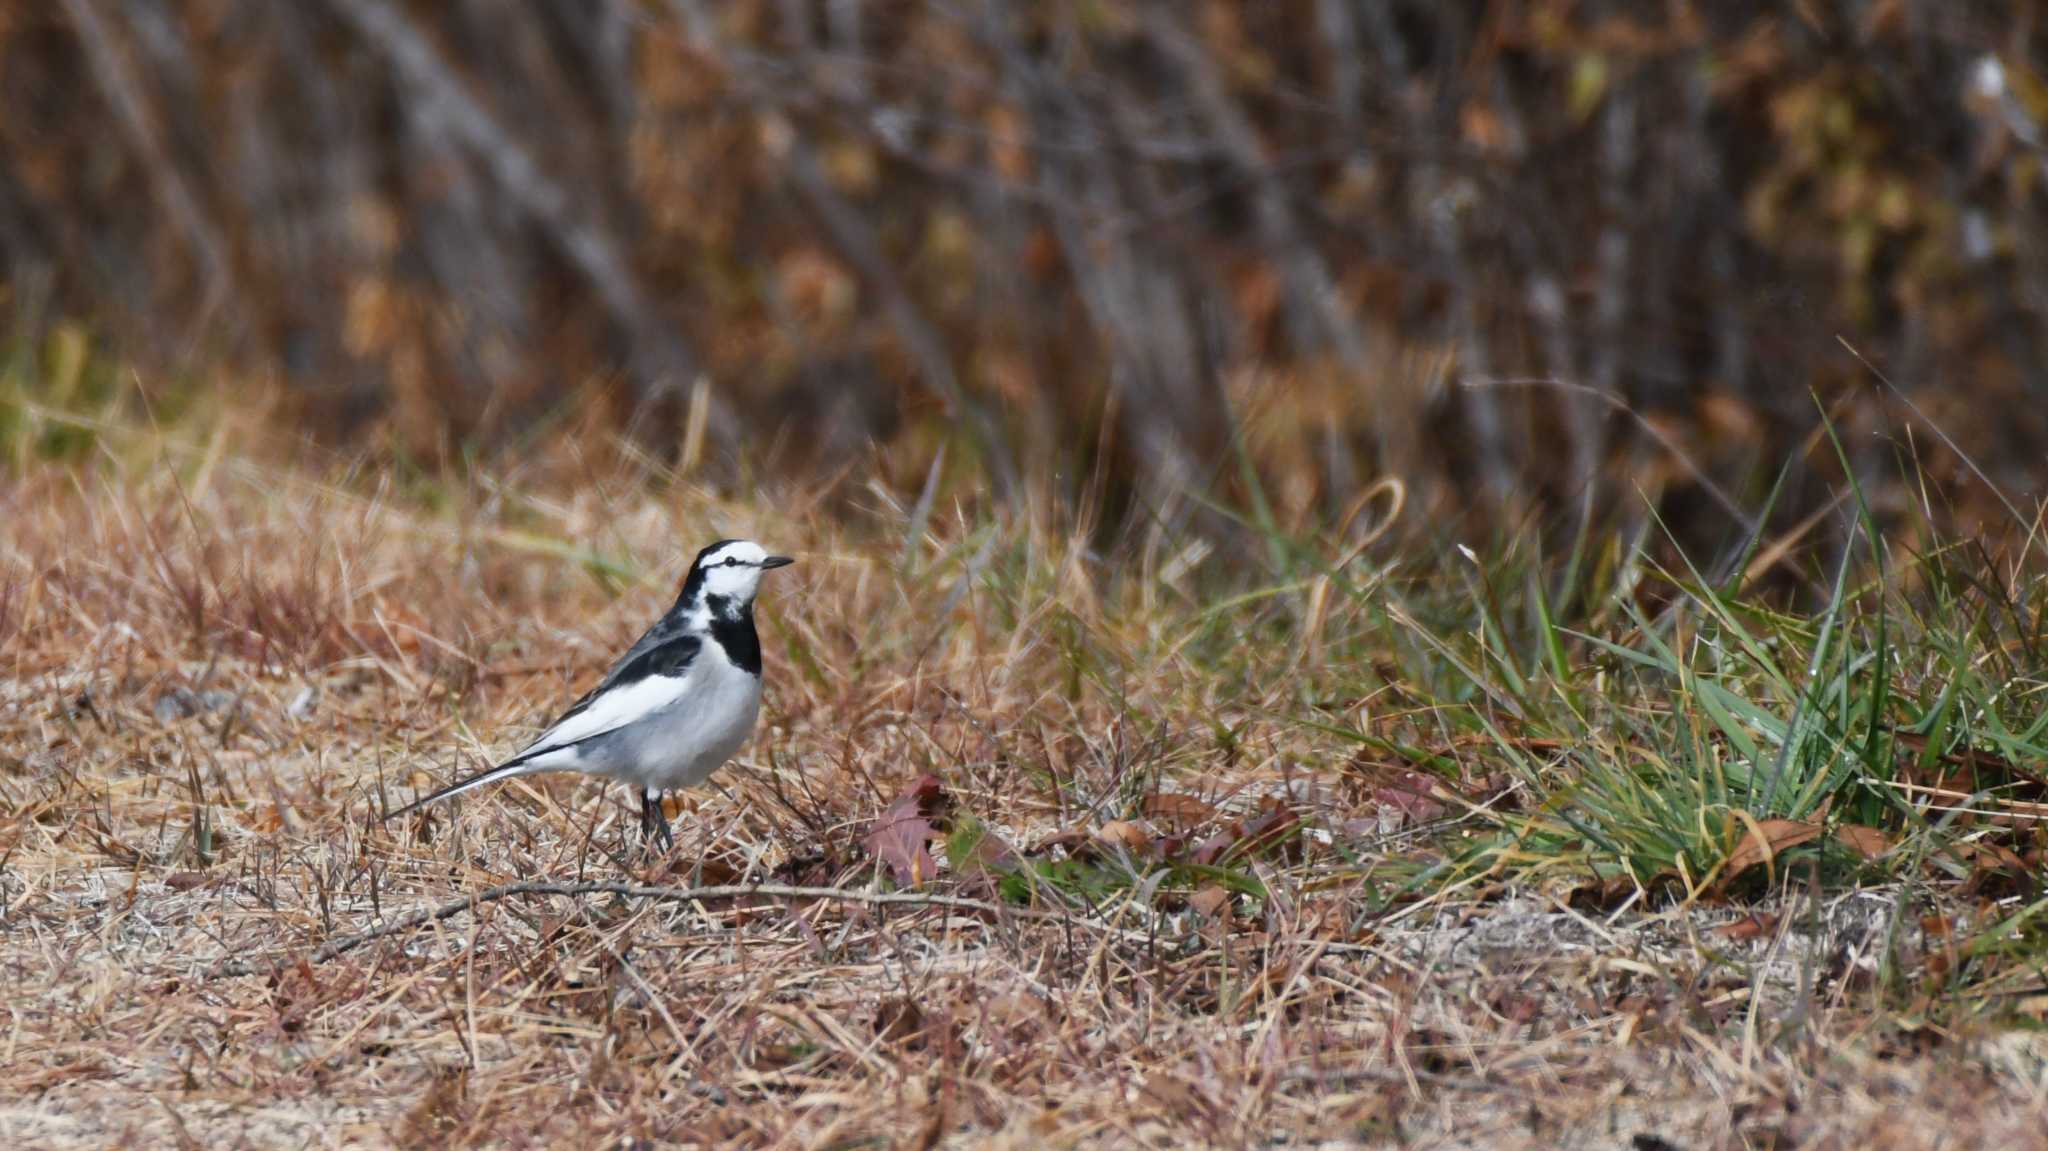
(506, 770)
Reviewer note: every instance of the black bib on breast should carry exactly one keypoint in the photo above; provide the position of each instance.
(734, 631)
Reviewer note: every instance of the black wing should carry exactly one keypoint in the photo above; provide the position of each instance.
(666, 650)
(663, 651)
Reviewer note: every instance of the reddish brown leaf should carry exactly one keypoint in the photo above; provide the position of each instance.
(1994, 868)
(1070, 840)
(1127, 835)
(1601, 894)
(1867, 842)
(901, 838)
(1776, 835)
(1176, 810)
(1496, 791)
(1403, 796)
(1211, 849)
(898, 1018)
(982, 867)
(1274, 823)
(1412, 794)
(806, 870)
(1976, 764)
(1209, 900)
(991, 852)
(1986, 855)
(1748, 927)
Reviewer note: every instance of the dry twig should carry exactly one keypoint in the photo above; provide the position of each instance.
(665, 894)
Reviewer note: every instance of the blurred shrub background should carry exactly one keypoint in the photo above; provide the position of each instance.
(1527, 257)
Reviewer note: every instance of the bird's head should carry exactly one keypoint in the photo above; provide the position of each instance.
(727, 574)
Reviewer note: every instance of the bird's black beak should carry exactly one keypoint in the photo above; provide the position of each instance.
(776, 562)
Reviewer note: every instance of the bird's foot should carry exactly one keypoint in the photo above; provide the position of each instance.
(654, 823)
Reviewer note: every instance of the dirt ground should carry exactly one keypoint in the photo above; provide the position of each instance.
(209, 690)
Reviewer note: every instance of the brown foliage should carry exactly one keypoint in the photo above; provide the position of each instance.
(899, 223)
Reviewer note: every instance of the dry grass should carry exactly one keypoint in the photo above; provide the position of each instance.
(217, 666)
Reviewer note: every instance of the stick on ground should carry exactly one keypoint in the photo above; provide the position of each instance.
(454, 907)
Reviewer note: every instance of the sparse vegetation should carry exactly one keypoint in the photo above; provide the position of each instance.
(1349, 836)
(1375, 572)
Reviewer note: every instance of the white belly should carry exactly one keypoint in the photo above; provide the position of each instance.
(683, 744)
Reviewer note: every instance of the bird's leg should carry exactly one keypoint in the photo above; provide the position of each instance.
(654, 820)
(668, 839)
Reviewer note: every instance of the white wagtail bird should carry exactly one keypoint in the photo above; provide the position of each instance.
(676, 706)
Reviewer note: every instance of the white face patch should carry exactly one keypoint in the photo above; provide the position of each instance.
(734, 571)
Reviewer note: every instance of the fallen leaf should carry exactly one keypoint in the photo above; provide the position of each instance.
(1173, 845)
(1209, 900)
(901, 837)
(1275, 825)
(1995, 869)
(991, 852)
(1976, 763)
(1499, 791)
(813, 870)
(1070, 841)
(1748, 927)
(1412, 794)
(985, 861)
(898, 1018)
(1601, 894)
(1125, 834)
(1211, 849)
(1990, 856)
(1400, 795)
(1177, 1095)
(1867, 842)
(439, 1111)
(1176, 810)
(1762, 841)
(1241, 838)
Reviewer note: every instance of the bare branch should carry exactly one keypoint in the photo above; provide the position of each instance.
(663, 894)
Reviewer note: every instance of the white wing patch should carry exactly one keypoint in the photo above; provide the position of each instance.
(612, 710)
